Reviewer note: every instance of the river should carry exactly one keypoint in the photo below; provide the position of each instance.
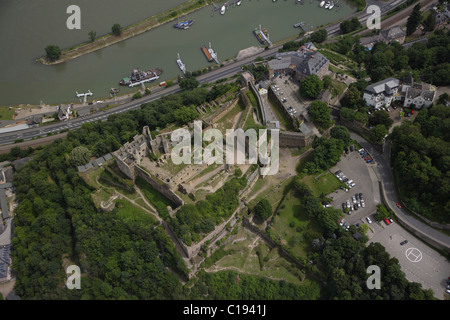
(28, 26)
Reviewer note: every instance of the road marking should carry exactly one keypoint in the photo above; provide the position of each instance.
(413, 254)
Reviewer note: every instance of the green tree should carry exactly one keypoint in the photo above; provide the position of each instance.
(352, 98)
(116, 29)
(378, 133)
(92, 34)
(429, 22)
(342, 133)
(327, 81)
(347, 114)
(185, 114)
(263, 209)
(80, 156)
(319, 36)
(413, 20)
(320, 114)
(53, 52)
(188, 84)
(311, 86)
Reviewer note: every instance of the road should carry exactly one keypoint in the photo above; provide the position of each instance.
(228, 70)
(385, 175)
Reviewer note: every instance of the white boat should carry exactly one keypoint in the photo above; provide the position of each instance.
(327, 4)
(239, 2)
(321, 4)
(213, 54)
(331, 5)
(181, 64)
(222, 10)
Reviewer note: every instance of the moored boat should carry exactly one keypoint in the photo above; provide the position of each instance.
(331, 5)
(185, 24)
(223, 9)
(207, 54)
(327, 4)
(181, 64)
(137, 77)
(322, 4)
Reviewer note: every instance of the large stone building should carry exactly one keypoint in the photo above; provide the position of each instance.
(131, 153)
(300, 64)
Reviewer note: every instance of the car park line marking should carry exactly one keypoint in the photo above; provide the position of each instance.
(413, 254)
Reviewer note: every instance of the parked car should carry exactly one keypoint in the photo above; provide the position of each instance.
(403, 242)
(357, 196)
(390, 220)
(398, 205)
(387, 221)
(352, 148)
(360, 195)
(346, 150)
(355, 206)
(353, 199)
(362, 203)
(368, 220)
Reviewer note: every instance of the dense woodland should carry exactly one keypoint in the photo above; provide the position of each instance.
(421, 157)
(56, 219)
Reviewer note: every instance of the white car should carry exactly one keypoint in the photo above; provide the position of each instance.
(362, 203)
(368, 220)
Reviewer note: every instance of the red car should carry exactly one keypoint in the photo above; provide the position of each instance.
(387, 221)
(398, 205)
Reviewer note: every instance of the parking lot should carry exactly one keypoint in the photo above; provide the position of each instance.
(288, 93)
(419, 262)
(353, 166)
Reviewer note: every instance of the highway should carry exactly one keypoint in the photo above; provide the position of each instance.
(226, 71)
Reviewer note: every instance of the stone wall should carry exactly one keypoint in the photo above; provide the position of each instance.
(160, 186)
(294, 139)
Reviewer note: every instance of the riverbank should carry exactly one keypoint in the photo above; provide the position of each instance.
(127, 32)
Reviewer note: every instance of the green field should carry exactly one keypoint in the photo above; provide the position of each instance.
(159, 201)
(5, 113)
(132, 214)
(292, 227)
(325, 184)
(242, 256)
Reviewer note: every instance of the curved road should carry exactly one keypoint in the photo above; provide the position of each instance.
(385, 175)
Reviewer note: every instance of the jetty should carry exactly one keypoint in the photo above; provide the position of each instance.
(84, 95)
(262, 35)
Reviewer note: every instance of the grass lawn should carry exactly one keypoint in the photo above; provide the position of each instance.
(242, 256)
(325, 184)
(291, 224)
(227, 121)
(132, 214)
(5, 113)
(152, 195)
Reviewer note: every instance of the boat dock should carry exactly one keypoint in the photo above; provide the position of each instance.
(143, 81)
(84, 95)
(263, 36)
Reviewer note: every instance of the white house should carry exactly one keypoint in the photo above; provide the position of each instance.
(382, 93)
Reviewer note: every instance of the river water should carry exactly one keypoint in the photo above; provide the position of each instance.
(28, 26)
